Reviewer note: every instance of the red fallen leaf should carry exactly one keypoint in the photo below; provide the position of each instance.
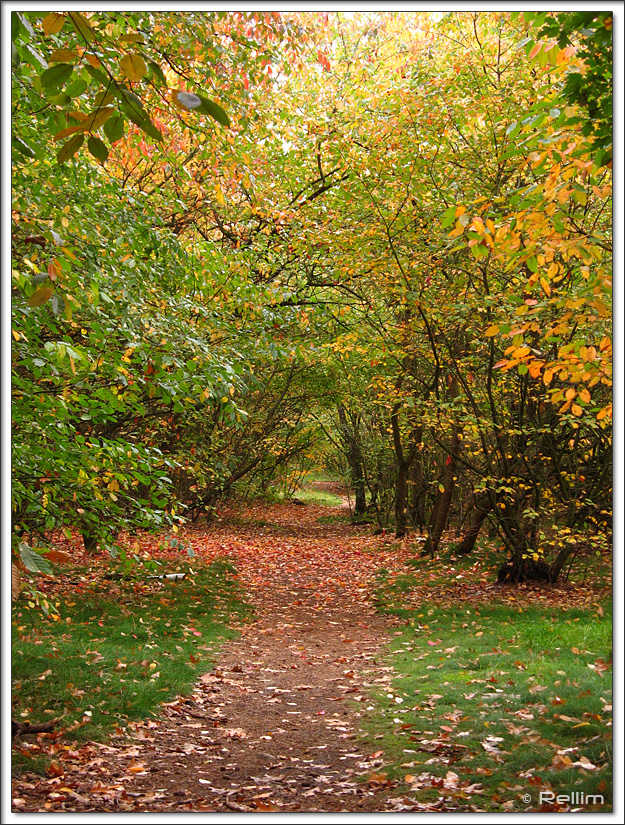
(378, 779)
(57, 556)
(444, 727)
(54, 769)
(266, 806)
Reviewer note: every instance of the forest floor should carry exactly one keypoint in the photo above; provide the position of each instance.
(277, 724)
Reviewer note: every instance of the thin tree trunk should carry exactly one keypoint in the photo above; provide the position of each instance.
(354, 461)
(482, 509)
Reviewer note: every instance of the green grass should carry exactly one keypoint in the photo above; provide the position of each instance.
(320, 497)
(119, 648)
(508, 697)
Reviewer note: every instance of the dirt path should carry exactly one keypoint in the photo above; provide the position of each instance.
(275, 725)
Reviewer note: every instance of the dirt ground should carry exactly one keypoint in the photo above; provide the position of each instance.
(275, 725)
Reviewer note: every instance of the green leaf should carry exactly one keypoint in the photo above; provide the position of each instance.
(448, 217)
(82, 25)
(26, 24)
(76, 88)
(22, 147)
(98, 75)
(70, 148)
(33, 561)
(34, 54)
(56, 75)
(158, 73)
(114, 128)
(513, 129)
(98, 149)
(139, 116)
(41, 296)
(208, 107)
(15, 26)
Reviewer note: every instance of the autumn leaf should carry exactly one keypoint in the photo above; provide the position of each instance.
(133, 66)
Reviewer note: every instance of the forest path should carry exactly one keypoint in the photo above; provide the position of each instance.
(275, 725)
(272, 727)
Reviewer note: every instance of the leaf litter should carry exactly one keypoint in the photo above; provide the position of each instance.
(275, 726)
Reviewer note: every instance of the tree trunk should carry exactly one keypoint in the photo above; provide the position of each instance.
(440, 514)
(401, 490)
(354, 461)
(482, 508)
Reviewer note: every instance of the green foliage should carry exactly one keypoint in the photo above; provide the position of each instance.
(100, 63)
(591, 89)
(425, 286)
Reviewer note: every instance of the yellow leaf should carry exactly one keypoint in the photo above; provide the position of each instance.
(133, 66)
(63, 56)
(492, 330)
(97, 118)
(576, 409)
(457, 231)
(585, 396)
(521, 352)
(606, 411)
(545, 285)
(53, 23)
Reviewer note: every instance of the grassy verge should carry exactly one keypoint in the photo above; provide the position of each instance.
(118, 648)
(492, 704)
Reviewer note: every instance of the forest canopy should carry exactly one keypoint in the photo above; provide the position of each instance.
(245, 243)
